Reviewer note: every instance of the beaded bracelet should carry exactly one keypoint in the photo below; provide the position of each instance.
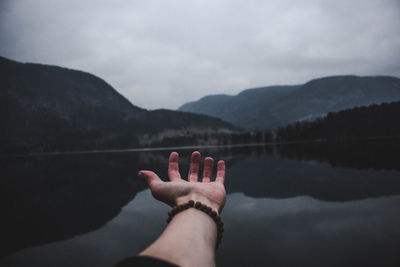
(204, 208)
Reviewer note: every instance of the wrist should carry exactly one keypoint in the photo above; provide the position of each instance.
(192, 205)
(199, 198)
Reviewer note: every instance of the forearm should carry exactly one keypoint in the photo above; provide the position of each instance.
(188, 240)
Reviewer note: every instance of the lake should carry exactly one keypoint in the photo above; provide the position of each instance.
(294, 205)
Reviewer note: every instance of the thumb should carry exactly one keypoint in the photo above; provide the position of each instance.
(150, 177)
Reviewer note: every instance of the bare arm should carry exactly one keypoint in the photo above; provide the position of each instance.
(190, 238)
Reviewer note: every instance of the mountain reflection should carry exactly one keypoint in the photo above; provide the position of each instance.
(45, 199)
(361, 155)
(299, 231)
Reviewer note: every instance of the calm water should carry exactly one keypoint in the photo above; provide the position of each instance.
(291, 206)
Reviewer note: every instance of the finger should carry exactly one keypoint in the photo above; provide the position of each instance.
(150, 177)
(173, 167)
(208, 168)
(220, 172)
(194, 167)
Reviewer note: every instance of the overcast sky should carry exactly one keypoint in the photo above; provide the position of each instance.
(162, 53)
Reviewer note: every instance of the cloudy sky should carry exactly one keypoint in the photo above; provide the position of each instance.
(163, 53)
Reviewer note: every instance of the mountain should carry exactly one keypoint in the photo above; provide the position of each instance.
(274, 106)
(47, 107)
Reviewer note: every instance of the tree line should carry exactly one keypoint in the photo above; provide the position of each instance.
(358, 123)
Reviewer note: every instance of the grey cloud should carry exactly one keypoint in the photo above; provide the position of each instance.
(165, 53)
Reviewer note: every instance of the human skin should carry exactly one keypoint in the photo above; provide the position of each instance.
(190, 238)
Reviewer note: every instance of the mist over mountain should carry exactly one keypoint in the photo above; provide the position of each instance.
(47, 107)
(274, 106)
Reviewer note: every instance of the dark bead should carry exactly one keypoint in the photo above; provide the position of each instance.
(214, 214)
(191, 203)
(170, 213)
(197, 205)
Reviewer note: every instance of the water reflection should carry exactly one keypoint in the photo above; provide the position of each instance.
(303, 231)
(368, 154)
(272, 176)
(48, 199)
(298, 231)
(285, 206)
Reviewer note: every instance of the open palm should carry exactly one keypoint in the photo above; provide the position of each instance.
(178, 191)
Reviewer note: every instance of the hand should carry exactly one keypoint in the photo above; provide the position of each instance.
(179, 191)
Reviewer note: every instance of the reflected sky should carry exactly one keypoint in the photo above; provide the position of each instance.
(259, 231)
(303, 231)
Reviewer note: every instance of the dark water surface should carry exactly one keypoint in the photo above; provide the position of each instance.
(299, 205)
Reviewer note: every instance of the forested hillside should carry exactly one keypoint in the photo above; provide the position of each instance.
(47, 108)
(366, 122)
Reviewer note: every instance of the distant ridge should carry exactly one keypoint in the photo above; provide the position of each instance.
(274, 106)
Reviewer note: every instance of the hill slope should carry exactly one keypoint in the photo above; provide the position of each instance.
(275, 106)
(48, 107)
